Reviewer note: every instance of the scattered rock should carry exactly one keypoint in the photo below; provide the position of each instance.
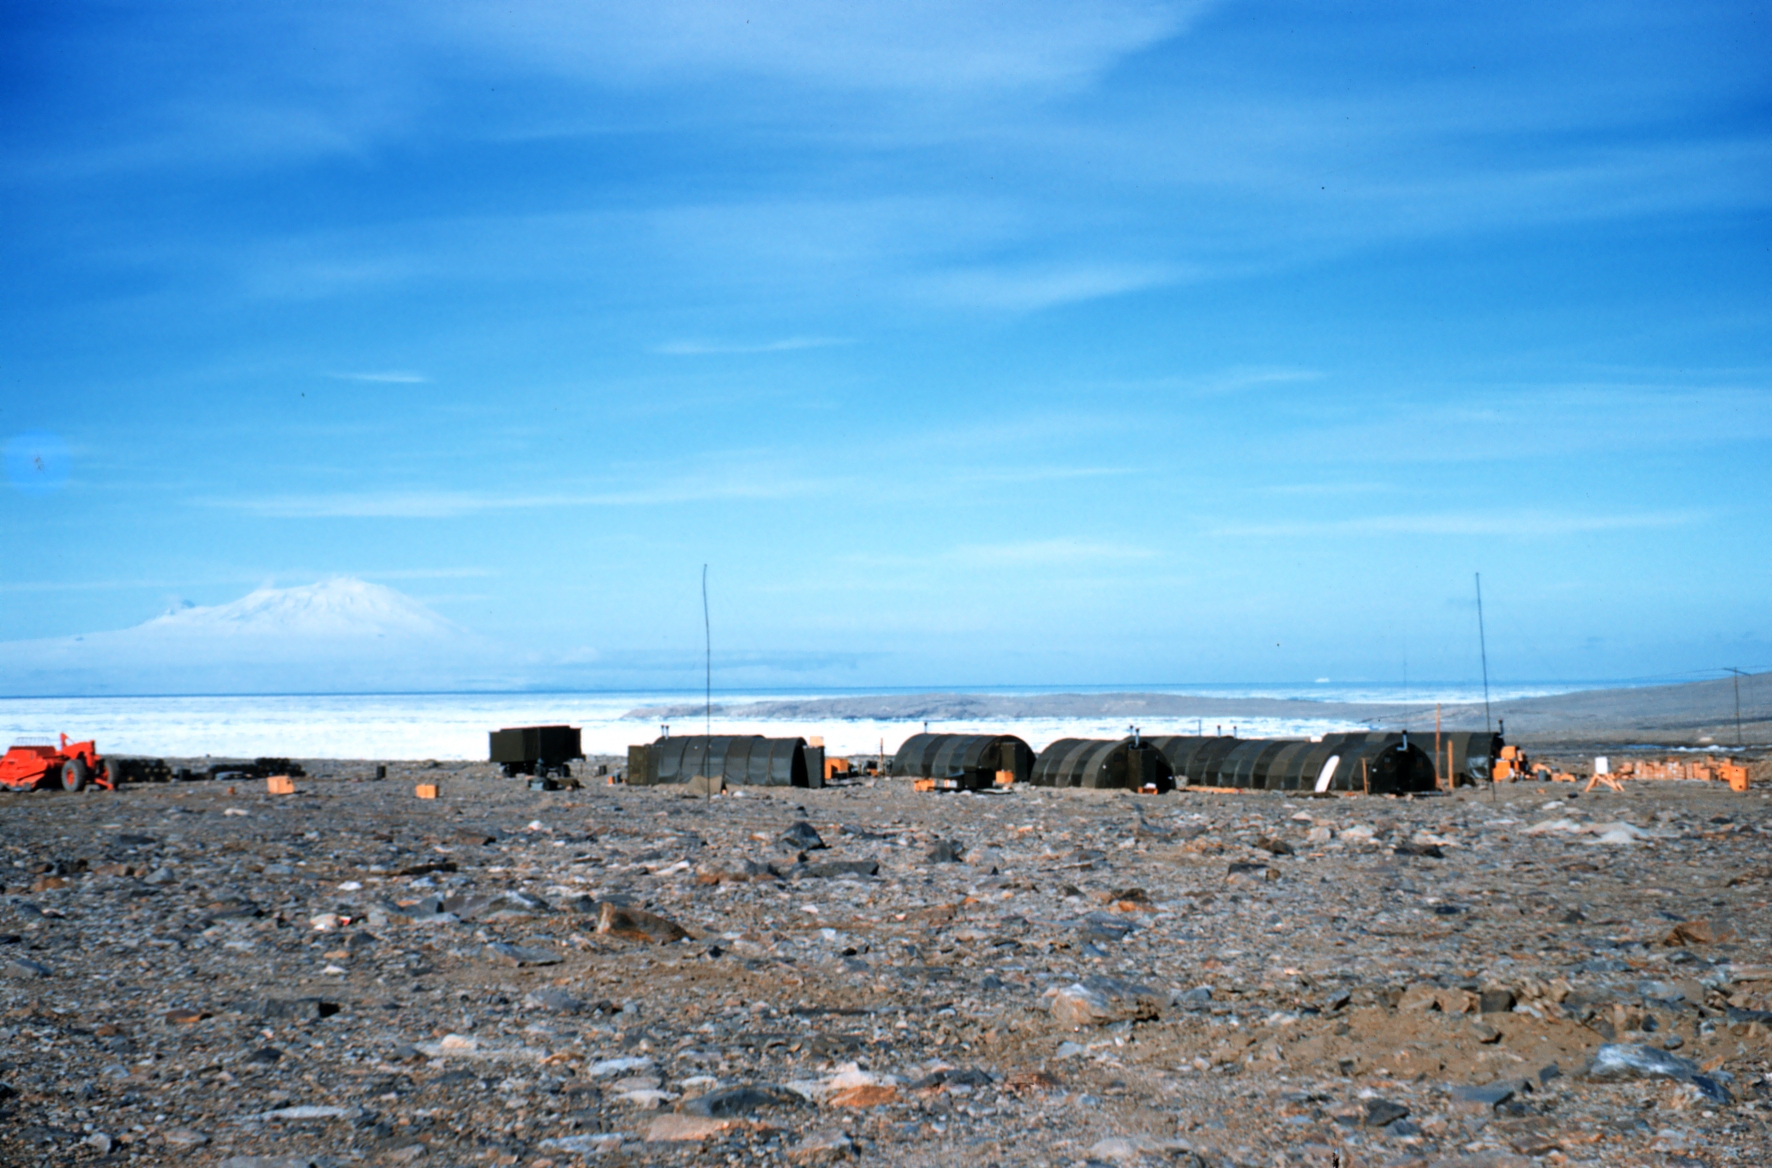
(1194, 1000)
(800, 837)
(1698, 933)
(1420, 997)
(823, 1147)
(1098, 1001)
(596, 1144)
(553, 1000)
(838, 868)
(740, 1100)
(1636, 1061)
(1380, 1112)
(946, 852)
(633, 924)
(521, 954)
(676, 1127)
(1496, 1000)
(1481, 1099)
(866, 1095)
(871, 1002)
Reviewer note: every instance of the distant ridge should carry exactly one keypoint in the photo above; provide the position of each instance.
(1693, 712)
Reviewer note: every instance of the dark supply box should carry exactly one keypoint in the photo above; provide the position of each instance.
(535, 750)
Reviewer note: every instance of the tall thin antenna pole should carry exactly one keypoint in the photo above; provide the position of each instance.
(1737, 674)
(707, 630)
(1483, 644)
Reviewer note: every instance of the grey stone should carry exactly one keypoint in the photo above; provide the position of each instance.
(1635, 1061)
(638, 925)
(800, 837)
(1481, 1098)
(823, 1147)
(1194, 1000)
(946, 852)
(521, 954)
(1382, 1111)
(1496, 1000)
(1098, 1001)
(740, 1100)
(291, 1009)
(554, 1000)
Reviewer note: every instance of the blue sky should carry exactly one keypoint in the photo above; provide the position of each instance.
(969, 343)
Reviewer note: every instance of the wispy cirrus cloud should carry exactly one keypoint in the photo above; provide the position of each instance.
(1030, 288)
(390, 377)
(1030, 553)
(920, 46)
(1520, 524)
(447, 504)
(701, 348)
(1027, 553)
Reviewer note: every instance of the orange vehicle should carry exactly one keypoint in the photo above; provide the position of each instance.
(71, 767)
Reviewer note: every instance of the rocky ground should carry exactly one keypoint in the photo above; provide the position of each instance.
(201, 975)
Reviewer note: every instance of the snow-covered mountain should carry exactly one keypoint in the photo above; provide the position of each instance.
(339, 635)
(338, 608)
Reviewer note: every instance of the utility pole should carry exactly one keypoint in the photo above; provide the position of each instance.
(1483, 645)
(707, 632)
(1738, 676)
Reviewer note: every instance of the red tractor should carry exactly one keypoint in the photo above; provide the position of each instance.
(71, 767)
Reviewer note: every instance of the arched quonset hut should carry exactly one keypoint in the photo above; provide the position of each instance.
(969, 761)
(1194, 761)
(1103, 763)
(748, 760)
(1467, 755)
(1381, 763)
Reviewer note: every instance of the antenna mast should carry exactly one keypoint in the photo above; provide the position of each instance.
(1738, 676)
(1483, 644)
(707, 631)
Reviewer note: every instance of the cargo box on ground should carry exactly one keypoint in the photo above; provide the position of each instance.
(536, 750)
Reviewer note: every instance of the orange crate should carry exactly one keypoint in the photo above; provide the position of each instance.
(427, 791)
(280, 785)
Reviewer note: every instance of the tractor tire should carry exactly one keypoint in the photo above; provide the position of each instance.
(115, 772)
(74, 774)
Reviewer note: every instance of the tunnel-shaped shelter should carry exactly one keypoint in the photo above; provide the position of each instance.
(1378, 762)
(1466, 755)
(1103, 763)
(969, 761)
(742, 760)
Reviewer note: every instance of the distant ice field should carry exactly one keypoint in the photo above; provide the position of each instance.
(454, 726)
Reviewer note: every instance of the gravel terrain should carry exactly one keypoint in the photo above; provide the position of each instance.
(200, 975)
